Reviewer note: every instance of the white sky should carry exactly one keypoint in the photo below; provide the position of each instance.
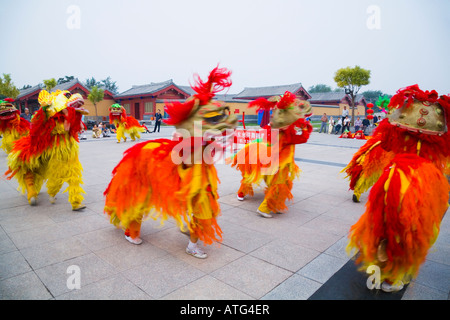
(263, 42)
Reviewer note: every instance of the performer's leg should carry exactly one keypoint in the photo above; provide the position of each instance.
(263, 210)
(133, 232)
(121, 134)
(74, 180)
(244, 189)
(356, 196)
(193, 249)
(32, 193)
(53, 186)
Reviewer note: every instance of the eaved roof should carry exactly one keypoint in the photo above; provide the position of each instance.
(25, 92)
(148, 89)
(68, 85)
(257, 92)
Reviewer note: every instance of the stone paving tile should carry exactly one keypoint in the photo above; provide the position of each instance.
(26, 286)
(115, 287)
(163, 276)
(207, 288)
(295, 287)
(253, 276)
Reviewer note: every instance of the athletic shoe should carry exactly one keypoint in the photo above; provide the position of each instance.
(264, 214)
(196, 252)
(134, 241)
(387, 287)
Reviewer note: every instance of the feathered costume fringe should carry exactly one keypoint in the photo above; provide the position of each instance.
(49, 153)
(408, 201)
(12, 130)
(126, 125)
(405, 208)
(367, 165)
(278, 173)
(148, 184)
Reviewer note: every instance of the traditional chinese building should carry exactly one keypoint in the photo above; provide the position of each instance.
(141, 101)
(28, 98)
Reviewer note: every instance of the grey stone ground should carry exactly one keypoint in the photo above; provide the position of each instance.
(287, 257)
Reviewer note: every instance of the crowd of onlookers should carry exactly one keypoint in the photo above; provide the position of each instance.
(102, 130)
(331, 126)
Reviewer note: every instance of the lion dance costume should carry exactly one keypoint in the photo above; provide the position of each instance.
(157, 179)
(124, 124)
(279, 172)
(406, 161)
(12, 126)
(49, 153)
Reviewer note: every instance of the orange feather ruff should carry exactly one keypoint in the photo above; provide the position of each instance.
(407, 203)
(147, 183)
(405, 208)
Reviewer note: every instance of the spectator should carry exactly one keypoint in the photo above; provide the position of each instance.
(323, 125)
(346, 124)
(331, 125)
(26, 115)
(158, 118)
(358, 124)
(344, 113)
(96, 132)
(365, 124)
(338, 126)
(105, 131)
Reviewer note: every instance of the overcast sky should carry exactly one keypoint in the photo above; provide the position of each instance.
(263, 42)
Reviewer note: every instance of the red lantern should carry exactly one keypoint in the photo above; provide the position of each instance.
(370, 105)
(369, 111)
(370, 117)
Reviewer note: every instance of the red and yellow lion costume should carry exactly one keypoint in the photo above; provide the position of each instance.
(165, 178)
(273, 160)
(124, 124)
(406, 162)
(49, 153)
(12, 126)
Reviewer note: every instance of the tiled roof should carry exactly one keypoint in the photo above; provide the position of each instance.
(268, 91)
(25, 92)
(68, 85)
(148, 89)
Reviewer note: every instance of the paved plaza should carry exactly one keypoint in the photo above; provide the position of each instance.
(291, 256)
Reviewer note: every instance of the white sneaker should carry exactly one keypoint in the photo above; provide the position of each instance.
(196, 252)
(263, 214)
(52, 199)
(240, 197)
(387, 287)
(133, 241)
(33, 201)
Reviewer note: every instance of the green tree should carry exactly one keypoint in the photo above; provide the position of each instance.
(110, 85)
(95, 96)
(352, 79)
(319, 88)
(66, 79)
(7, 87)
(50, 84)
(90, 83)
